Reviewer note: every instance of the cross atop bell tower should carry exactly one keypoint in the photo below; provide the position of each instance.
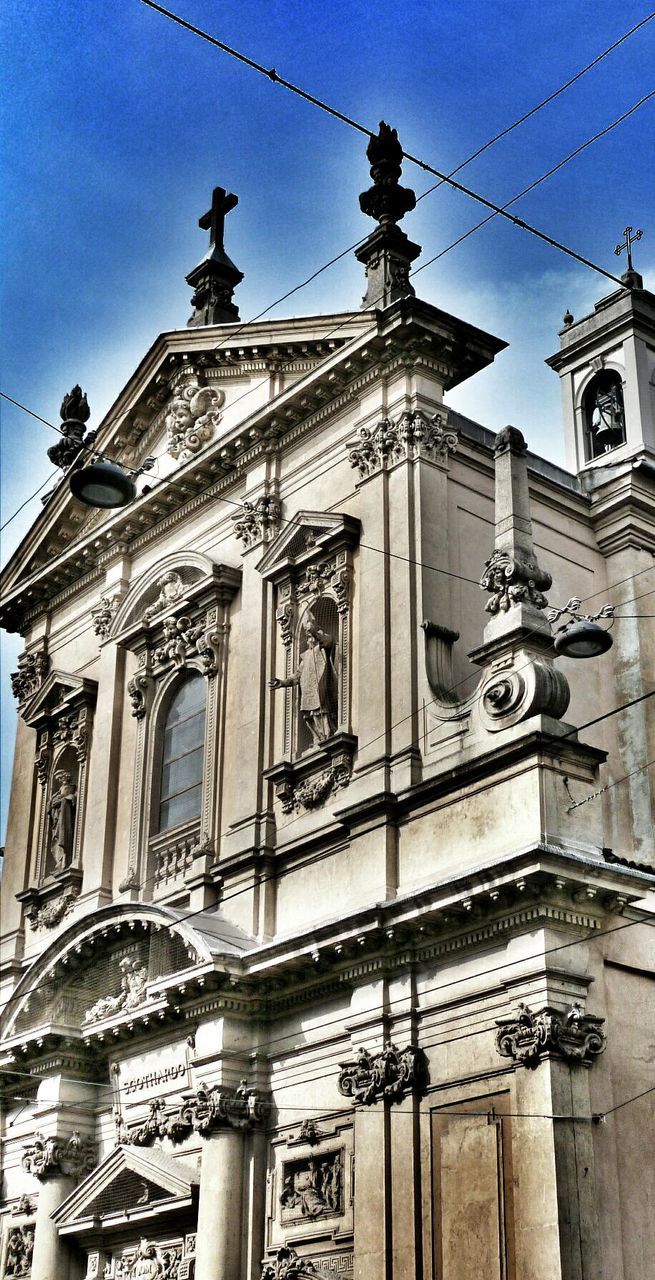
(606, 364)
(216, 277)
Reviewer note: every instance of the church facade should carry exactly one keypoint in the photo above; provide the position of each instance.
(327, 943)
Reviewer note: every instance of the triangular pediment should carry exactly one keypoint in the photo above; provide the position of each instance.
(306, 536)
(130, 1184)
(59, 692)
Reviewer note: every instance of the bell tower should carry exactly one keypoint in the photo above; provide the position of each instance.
(606, 364)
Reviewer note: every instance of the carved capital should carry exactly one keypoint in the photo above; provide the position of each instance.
(203, 1111)
(51, 1157)
(33, 668)
(385, 1076)
(258, 521)
(286, 1264)
(411, 436)
(529, 1036)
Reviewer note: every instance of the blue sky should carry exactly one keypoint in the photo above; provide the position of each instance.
(118, 124)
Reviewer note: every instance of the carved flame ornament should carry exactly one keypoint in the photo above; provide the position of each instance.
(385, 1076)
(530, 1037)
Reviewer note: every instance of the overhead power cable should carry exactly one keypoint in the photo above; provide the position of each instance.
(272, 74)
(296, 288)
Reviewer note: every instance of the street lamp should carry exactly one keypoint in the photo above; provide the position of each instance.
(103, 484)
(581, 637)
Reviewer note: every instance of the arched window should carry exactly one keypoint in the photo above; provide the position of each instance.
(180, 791)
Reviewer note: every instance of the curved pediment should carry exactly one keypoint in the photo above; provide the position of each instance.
(114, 969)
(161, 588)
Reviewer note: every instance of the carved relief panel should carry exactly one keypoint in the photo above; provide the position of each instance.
(310, 1195)
(311, 567)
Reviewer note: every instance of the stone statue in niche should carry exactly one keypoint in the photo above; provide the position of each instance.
(62, 819)
(316, 679)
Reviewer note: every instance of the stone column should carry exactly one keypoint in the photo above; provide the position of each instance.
(220, 1207)
(51, 1257)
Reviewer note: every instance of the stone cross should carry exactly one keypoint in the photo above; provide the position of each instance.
(214, 220)
(626, 243)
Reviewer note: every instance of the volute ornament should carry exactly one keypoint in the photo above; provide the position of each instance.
(382, 1077)
(286, 1264)
(49, 1157)
(529, 1037)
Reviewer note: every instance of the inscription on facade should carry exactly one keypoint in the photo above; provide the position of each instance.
(152, 1079)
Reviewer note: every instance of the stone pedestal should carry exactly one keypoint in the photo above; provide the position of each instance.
(51, 1259)
(219, 1237)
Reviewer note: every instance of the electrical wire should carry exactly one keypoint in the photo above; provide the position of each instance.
(233, 336)
(272, 74)
(31, 498)
(533, 185)
(592, 936)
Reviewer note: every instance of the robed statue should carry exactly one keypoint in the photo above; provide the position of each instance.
(316, 679)
(62, 819)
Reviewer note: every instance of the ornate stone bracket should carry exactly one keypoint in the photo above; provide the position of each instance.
(203, 1111)
(46, 906)
(258, 521)
(385, 1076)
(513, 580)
(103, 613)
(33, 667)
(51, 1157)
(411, 436)
(530, 1037)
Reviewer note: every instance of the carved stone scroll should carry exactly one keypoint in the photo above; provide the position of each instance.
(203, 1111)
(385, 1076)
(530, 1037)
(411, 436)
(51, 1157)
(193, 415)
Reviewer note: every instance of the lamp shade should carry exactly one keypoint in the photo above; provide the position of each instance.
(582, 640)
(102, 484)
